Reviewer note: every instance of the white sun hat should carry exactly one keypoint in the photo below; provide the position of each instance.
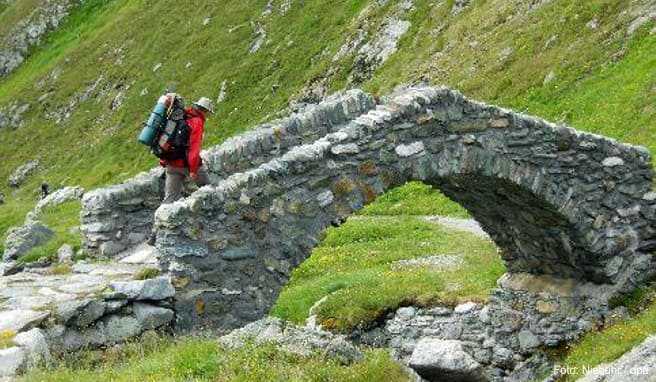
(206, 104)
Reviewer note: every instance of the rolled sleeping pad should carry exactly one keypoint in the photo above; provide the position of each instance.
(157, 118)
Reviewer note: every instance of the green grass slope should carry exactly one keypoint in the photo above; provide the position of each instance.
(199, 359)
(356, 268)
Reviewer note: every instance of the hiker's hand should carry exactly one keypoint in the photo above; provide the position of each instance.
(194, 176)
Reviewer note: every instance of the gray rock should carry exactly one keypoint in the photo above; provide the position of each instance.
(113, 306)
(20, 320)
(260, 38)
(111, 248)
(20, 240)
(459, 6)
(372, 54)
(141, 254)
(325, 198)
(29, 31)
(502, 357)
(10, 267)
(409, 150)
(65, 254)
(18, 177)
(11, 116)
(65, 311)
(88, 313)
(36, 347)
(444, 360)
(159, 288)
(465, 307)
(59, 197)
(528, 341)
(11, 360)
(532, 369)
(612, 162)
(92, 337)
(350, 148)
(120, 328)
(406, 313)
(294, 339)
(637, 365)
(152, 317)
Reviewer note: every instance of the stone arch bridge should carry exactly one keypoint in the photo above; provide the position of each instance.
(560, 204)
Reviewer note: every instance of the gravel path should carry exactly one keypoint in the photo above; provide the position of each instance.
(469, 225)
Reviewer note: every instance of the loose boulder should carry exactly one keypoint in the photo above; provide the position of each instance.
(65, 254)
(20, 240)
(11, 361)
(21, 174)
(294, 339)
(445, 360)
(59, 197)
(34, 341)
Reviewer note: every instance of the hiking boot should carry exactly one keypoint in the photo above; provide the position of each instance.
(152, 239)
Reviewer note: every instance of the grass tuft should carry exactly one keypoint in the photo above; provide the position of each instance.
(61, 269)
(147, 273)
(199, 359)
(7, 338)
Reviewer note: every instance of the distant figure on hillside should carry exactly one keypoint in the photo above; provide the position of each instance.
(177, 170)
(45, 190)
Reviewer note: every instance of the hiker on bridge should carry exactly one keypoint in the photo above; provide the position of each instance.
(191, 164)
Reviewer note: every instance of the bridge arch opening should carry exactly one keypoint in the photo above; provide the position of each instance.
(410, 246)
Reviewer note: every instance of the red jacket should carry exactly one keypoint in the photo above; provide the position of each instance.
(196, 122)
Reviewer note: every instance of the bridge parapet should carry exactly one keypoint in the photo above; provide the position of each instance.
(120, 216)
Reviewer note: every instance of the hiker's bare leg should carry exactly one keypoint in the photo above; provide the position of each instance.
(174, 181)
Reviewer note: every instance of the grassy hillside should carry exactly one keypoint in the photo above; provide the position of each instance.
(496, 50)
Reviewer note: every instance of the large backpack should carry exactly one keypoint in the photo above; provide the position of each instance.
(167, 129)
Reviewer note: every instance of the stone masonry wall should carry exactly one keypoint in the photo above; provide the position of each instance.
(120, 216)
(95, 305)
(556, 201)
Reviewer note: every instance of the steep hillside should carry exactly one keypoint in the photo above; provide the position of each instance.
(92, 83)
